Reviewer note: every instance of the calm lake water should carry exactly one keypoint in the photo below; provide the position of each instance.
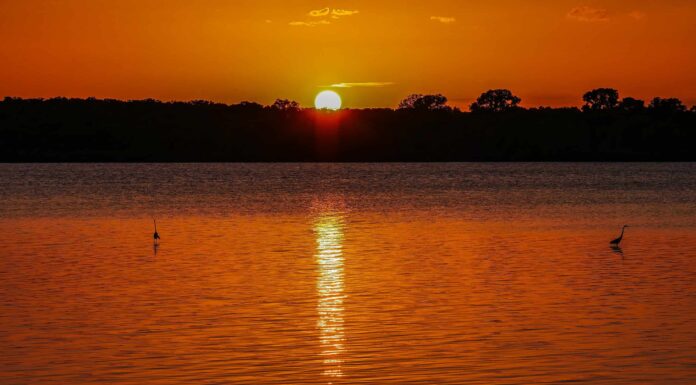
(348, 274)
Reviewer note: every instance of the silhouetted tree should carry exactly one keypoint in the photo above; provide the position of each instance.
(632, 105)
(693, 109)
(424, 103)
(496, 101)
(285, 105)
(667, 105)
(601, 99)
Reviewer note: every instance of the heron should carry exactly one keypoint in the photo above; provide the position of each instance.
(618, 240)
(156, 234)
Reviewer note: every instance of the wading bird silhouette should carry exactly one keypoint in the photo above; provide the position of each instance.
(156, 234)
(618, 240)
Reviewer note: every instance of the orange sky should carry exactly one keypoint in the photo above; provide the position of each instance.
(547, 51)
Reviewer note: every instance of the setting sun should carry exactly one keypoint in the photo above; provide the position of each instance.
(328, 100)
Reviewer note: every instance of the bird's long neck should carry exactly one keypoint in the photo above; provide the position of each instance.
(622, 232)
(155, 225)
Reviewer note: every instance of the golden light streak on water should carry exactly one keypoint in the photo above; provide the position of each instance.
(328, 229)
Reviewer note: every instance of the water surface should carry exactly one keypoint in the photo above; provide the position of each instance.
(348, 274)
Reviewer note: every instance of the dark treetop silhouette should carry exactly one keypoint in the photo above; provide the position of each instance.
(424, 128)
(496, 101)
(601, 99)
(424, 103)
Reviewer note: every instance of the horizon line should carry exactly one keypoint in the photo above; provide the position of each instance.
(690, 105)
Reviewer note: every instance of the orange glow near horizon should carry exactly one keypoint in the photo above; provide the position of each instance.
(374, 53)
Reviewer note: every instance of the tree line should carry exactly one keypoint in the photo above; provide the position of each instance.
(497, 100)
(422, 128)
(501, 100)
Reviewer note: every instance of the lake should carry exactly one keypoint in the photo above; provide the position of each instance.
(347, 274)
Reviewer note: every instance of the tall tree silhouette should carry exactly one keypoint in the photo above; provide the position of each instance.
(601, 99)
(424, 103)
(667, 105)
(496, 101)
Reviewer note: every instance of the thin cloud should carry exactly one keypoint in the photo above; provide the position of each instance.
(443, 19)
(363, 84)
(320, 12)
(343, 12)
(308, 23)
(588, 14)
(323, 17)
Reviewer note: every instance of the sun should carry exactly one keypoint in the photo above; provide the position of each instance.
(328, 100)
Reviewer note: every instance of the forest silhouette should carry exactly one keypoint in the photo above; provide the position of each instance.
(422, 128)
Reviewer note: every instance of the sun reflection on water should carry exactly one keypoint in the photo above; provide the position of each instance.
(328, 229)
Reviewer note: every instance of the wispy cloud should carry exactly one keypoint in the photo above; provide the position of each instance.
(323, 17)
(309, 23)
(588, 14)
(320, 12)
(363, 84)
(344, 12)
(443, 19)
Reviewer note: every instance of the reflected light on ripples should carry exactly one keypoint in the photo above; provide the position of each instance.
(328, 229)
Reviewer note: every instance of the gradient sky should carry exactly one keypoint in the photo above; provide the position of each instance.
(547, 51)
